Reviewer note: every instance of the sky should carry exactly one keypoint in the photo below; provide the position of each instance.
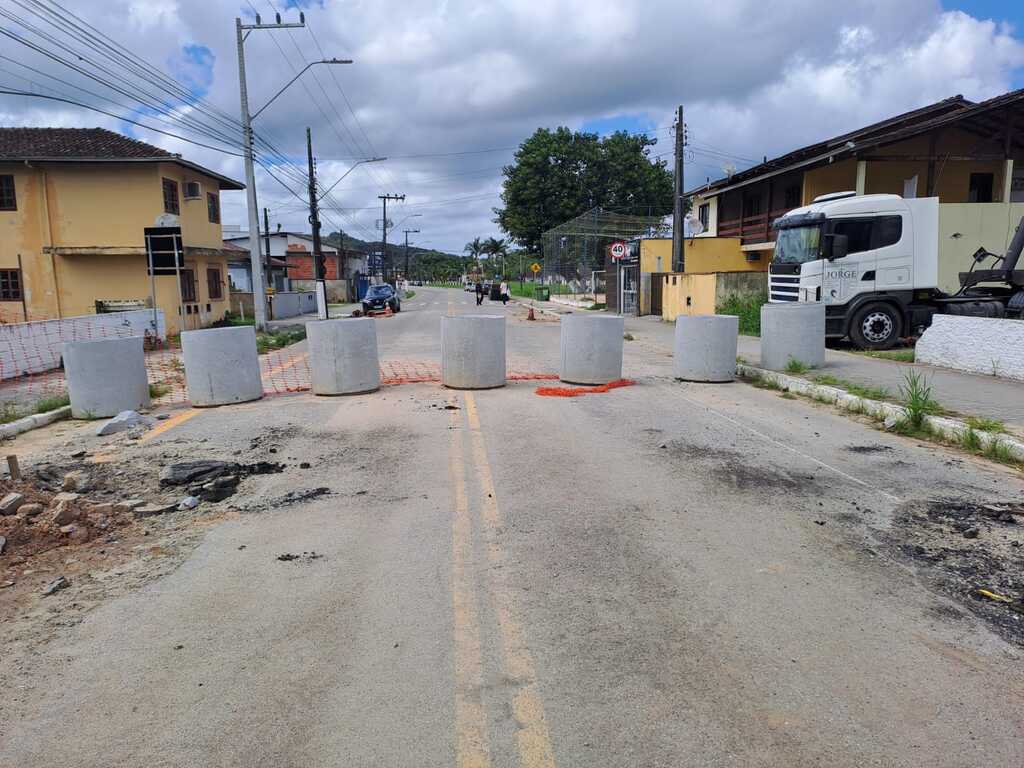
(447, 89)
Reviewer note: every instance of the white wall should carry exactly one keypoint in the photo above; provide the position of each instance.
(36, 346)
(293, 304)
(984, 345)
(964, 227)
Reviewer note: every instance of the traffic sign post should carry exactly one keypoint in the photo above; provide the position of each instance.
(617, 250)
(535, 267)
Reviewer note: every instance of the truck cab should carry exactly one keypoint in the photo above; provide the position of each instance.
(871, 259)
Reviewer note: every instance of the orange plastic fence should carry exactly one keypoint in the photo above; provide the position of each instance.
(577, 391)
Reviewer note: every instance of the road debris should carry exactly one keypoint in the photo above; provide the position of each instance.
(288, 557)
(189, 502)
(125, 421)
(10, 503)
(55, 586)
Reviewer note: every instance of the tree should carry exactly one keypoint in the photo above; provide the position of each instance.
(475, 248)
(557, 175)
(497, 248)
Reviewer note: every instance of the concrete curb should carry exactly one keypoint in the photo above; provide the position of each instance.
(34, 421)
(529, 303)
(950, 429)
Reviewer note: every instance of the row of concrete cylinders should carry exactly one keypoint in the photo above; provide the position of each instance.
(222, 366)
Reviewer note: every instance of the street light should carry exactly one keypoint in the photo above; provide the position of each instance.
(301, 73)
(367, 160)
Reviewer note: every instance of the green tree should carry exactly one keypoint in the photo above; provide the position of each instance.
(475, 249)
(497, 248)
(557, 175)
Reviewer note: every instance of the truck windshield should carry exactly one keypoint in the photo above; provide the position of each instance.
(796, 245)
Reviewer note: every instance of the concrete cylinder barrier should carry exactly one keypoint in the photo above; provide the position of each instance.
(705, 348)
(222, 366)
(792, 331)
(343, 356)
(473, 351)
(106, 376)
(591, 348)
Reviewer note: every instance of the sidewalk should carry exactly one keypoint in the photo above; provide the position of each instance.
(964, 393)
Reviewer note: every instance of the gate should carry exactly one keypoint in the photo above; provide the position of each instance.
(629, 290)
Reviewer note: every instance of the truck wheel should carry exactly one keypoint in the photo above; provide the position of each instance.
(876, 326)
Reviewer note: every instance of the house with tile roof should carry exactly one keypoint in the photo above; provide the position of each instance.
(75, 204)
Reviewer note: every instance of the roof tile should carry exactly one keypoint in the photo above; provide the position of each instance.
(85, 143)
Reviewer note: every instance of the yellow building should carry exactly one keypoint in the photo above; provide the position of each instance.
(74, 205)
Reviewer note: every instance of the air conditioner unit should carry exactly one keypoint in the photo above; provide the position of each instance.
(193, 190)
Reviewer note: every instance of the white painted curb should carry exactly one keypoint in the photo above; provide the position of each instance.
(34, 421)
(951, 429)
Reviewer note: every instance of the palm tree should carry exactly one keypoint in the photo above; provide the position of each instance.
(496, 247)
(475, 248)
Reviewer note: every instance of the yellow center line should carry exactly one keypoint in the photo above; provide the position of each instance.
(169, 424)
(532, 739)
(470, 716)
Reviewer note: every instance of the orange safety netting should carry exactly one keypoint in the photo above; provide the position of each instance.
(577, 391)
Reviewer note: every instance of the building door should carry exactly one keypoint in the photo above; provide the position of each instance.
(629, 282)
(657, 284)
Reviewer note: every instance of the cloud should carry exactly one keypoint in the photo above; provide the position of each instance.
(454, 76)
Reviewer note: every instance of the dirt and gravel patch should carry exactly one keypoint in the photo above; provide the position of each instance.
(971, 551)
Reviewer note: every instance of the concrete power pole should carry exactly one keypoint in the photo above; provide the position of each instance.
(319, 270)
(259, 305)
(266, 238)
(407, 231)
(384, 228)
(678, 241)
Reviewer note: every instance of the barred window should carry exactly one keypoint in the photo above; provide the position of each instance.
(8, 200)
(10, 285)
(213, 284)
(171, 204)
(188, 285)
(213, 207)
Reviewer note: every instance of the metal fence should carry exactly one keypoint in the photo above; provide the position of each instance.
(574, 251)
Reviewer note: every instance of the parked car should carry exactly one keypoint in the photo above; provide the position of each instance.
(379, 297)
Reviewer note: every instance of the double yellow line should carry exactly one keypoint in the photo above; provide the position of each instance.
(533, 742)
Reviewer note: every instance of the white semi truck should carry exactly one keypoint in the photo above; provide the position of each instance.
(874, 261)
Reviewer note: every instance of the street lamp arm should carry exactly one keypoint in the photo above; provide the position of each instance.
(301, 73)
(346, 173)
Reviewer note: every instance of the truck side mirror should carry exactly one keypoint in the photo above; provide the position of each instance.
(839, 246)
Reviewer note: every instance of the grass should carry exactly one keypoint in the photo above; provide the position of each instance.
(899, 355)
(969, 440)
(999, 451)
(265, 342)
(765, 382)
(9, 412)
(747, 309)
(797, 367)
(628, 337)
(985, 424)
(916, 397)
(859, 390)
(526, 290)
(158, 390)
(410, 294)
(48, 404)
(597, 306)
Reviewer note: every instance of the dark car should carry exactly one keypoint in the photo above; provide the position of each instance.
(379, 297)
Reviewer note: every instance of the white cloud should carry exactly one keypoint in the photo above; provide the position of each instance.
(439, 77)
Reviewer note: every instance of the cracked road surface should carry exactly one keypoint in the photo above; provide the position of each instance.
(664, 575)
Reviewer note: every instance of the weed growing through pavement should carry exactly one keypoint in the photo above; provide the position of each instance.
(985, 424)
(8, 412)
(48, 404)
(747, 309)
(916, 397)
(797, 366)
(627, 336)
(860, 390)
(899, 355)
(969, 439)
(158, 390)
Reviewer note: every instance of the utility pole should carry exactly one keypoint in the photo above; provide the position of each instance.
(319, 271)
(259, 306)
(678, 259)
(384, 227)
(266, 238)
(407, 251)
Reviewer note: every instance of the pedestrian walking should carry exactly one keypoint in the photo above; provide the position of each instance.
(479, 293)
(504, 292)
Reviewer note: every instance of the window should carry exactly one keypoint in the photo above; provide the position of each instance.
(188, 285)
(213, 284)
(213, 207)
(888, 230)
(751, 206)
(792, 197)
(704, 214)
(980, 189)
(10, 285)
(8, 200)
(171, 204)
(857, 231)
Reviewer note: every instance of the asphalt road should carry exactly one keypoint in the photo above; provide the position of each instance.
(662, 575)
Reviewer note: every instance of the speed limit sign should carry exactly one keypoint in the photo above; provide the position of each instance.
(618, 250)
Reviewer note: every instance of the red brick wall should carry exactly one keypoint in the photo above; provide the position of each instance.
(300, 266)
